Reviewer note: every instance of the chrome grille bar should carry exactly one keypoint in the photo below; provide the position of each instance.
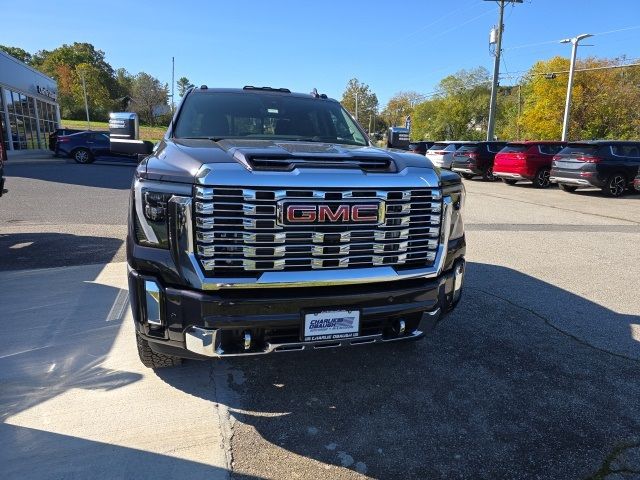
(238, 231)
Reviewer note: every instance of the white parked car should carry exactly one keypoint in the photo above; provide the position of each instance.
(441, 153)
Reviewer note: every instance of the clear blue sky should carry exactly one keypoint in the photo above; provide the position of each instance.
(392, 46)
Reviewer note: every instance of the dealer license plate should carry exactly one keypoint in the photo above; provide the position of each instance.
(331, 325)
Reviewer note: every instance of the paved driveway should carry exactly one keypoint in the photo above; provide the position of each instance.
(536, 375)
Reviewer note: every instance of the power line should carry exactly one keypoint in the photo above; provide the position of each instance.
(548, 42)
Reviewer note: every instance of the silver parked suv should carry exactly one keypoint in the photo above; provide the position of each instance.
(441, 153)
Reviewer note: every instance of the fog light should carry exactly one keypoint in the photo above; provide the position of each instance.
(153, 298)
(458, 279)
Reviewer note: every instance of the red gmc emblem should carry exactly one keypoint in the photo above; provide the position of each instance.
(334, 213)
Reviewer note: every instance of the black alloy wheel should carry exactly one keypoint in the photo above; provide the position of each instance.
(541, 179)
(616, 185)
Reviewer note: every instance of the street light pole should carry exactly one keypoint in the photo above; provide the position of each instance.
(86, 103)
(567, 107)
(356, 106)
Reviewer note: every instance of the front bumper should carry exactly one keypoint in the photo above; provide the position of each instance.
(196, 324)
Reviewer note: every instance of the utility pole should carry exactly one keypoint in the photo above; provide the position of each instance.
(86, 103)
(356, 106)
(567, 107)
(496, 69)
(173, 71)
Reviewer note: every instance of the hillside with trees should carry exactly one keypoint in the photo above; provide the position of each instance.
(108, 90)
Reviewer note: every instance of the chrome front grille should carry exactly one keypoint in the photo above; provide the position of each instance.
(240, 231)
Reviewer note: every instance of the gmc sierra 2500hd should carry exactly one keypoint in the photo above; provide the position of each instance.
(265, 221)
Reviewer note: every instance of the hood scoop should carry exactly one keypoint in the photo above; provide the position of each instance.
(289, 156)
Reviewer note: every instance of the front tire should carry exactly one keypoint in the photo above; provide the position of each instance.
(82, 155)
(151, 359)
(542, 178)
(616, 185)
(467, 176)
(568, 188)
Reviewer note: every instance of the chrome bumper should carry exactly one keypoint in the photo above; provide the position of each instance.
(205, 342)
(463, 170)
(513, 176)
(571, 181)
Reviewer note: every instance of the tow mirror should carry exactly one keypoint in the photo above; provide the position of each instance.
(398, 137)
(124, 133)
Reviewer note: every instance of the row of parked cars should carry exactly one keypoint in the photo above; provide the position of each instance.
(612, 166)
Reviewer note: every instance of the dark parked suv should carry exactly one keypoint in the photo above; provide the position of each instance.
(473, 159)
(609, 165)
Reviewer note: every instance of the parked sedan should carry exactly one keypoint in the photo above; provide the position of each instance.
(420, 147)
(85, 147)
(476, 158)
(526, 161)
(605, 164)
(636, 181)
(60, 132)
(441, 153)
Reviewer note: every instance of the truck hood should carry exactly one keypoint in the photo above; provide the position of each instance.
(179, 160)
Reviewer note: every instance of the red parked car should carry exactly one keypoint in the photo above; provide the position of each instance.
(526, 161)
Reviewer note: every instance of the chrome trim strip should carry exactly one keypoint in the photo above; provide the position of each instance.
(515, 176)
(152, 300)
(572, 181)
(232, 174)
(205, 342)
(183, 248)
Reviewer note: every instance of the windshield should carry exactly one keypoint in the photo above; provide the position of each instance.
(439, 146)
(579, 150)
(469, 147)
(258, 115)
(515, 148)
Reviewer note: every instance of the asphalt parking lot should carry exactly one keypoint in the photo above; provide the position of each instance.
(535, 375)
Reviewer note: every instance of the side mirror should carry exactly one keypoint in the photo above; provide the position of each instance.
(398, 137)
(124, 133)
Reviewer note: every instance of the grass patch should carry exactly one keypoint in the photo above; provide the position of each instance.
(153, 134)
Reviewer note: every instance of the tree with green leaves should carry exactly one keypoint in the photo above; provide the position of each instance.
(62, 64)
(367, 102)
(183, 84)
(458, 110)
(400, 106)
(17, 52)
(149, 97)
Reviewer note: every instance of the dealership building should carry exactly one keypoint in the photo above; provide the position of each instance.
(29, 109)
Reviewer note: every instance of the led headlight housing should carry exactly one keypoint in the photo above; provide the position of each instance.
(457, 200)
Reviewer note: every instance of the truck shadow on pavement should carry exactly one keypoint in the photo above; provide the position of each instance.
(57, 358)
(110, 176)
(511, 385)
(19, 251)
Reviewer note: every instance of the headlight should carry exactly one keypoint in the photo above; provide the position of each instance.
(457, 201)
(151, 212)
(151, 218)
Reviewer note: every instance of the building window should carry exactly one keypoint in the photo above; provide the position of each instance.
(23, 121)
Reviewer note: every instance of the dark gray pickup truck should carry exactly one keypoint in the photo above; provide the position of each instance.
(265, 221)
